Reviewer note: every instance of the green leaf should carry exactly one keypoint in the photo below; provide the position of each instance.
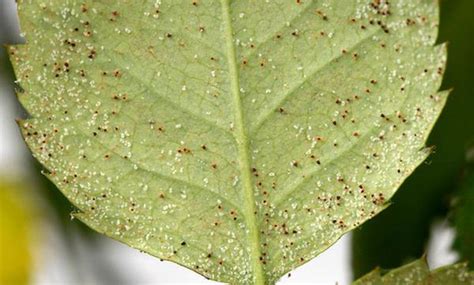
(418, 273)
(425, 195)
(237, 138)
(463, 217)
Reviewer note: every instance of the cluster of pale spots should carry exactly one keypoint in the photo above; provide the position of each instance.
(237, 138)
(418, 273)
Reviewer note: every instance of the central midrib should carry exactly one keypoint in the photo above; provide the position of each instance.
(241, 137)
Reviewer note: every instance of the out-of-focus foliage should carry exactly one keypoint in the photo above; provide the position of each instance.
(463, 217)
(9, 32)
(418, 273)
(400, 233)
(16, 226)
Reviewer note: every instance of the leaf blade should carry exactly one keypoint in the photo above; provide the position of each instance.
(163, 140)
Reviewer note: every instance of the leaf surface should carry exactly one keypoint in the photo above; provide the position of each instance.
(424, 196)
(237, 138)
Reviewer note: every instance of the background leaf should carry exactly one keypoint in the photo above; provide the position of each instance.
(418, 273)
(235, 143)
(463, 215)
(401, 233)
